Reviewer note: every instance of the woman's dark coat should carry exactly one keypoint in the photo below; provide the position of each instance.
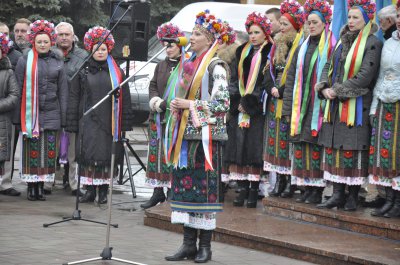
(9, 98)
(53, 90)
(92, 85)
(337, 134)
(244, 146)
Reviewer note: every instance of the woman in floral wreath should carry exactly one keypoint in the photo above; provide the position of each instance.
(104, 124)
(158, 174)
(40, 75)
(347, 83)
(243, 153)
(9, 99)
(302, 106)
(276, 130)
(384, 158)
(198, 110)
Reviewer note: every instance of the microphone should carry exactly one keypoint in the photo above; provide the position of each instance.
(182, 41)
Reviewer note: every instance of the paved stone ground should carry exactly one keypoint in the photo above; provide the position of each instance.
(24, 240)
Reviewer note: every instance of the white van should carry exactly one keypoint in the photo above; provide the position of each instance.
(235, 14)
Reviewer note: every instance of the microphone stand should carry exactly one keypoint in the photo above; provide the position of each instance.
(76, 215)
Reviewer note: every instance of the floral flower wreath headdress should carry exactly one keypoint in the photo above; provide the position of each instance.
(169, 30)
(4, 41)
(96, 35)
(260, 20)
(322, 8)
(294, 12)
(366, 7)
(42, 26)
(215, 29)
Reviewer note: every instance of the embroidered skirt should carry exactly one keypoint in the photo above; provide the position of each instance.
(195, 192)
(276, 146)
(306, 165)
(345, 166)
(39, 157)
(384, 153)
(158, 173)
(96, 175)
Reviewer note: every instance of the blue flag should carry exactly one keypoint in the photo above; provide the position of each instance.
(339, 17)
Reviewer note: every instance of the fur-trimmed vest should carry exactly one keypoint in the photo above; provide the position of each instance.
(244, 146)
(337, 134)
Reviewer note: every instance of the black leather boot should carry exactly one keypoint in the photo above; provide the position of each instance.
(31, 193)
(158, 196)
(188, 249)
(204, 253)
(253, 194)
(337, 199)
(280, 185)
(103, 190)
(388, 203)
(316, 195)
(243, 193)
(307, 192)
(39, 188)
(289, 188)
(89, 195)
(352, 199)
(395, 211)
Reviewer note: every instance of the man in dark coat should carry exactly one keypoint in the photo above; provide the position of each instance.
(13, 54)
(21, 31)
(73, 58)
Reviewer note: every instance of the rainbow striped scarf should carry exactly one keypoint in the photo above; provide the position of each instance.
(116, 79)
(244, 118)
(30, 98)
(178, 151)
(297, 41)
(350, 111)
(300, 94)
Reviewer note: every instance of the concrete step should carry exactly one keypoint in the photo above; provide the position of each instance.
(253, 228)
(359, 221)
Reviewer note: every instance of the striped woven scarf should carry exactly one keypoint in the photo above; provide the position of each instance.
(116, 79)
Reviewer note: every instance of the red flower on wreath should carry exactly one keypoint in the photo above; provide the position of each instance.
(315, 155)
(271, 141)
(328, 150)
(348, 154)
(34, 154)
(282, 144)
(389, 117)
(375, 178)
(51, 154)
(298, 154)
(152, 158)
(371, 150)
(153, 127)
(384, 153)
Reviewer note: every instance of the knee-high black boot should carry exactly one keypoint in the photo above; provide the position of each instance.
(204, 253)
(388, 203)
(31, 193)
(188, 249)
(103, 190)
(253, 194)
(289, 188)
(89, 195)
(315, 196)
(280, 185)
(307, 192)
(39, 188)
(337, 199)
(395, 211)
(243, 193)
(158, 196)
(352, 199)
